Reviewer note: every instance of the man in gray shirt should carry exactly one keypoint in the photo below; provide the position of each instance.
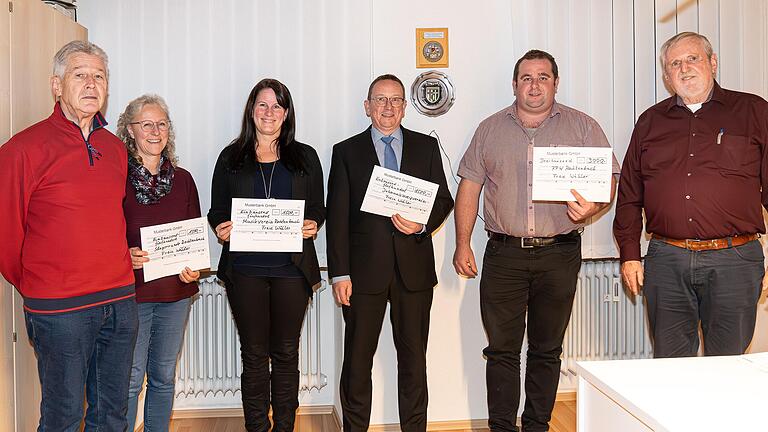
(533, 255)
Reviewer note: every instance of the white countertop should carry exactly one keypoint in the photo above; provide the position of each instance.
(687, 394)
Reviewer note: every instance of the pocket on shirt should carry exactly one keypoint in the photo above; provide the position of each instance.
(735, 150)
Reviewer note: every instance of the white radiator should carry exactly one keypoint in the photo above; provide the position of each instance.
(606, 324)
(210, 359)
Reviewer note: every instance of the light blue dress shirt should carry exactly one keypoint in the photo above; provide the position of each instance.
(397, 145)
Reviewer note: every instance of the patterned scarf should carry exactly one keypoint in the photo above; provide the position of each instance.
(150, 188)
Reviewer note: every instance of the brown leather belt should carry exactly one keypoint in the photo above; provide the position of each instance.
(711, 244)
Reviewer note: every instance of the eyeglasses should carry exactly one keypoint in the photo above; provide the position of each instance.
(262, 107)
(396, 101)
(149, 125)
(690, 61)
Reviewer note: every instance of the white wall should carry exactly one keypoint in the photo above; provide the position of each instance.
(205, 55)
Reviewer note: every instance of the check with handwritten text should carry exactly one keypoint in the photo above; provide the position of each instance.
(266, 225)
(557, 170)
(391, 192)
(173, 246)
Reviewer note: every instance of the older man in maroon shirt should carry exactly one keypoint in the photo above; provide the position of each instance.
(698, 165)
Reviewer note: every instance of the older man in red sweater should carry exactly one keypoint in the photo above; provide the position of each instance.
(61, 221)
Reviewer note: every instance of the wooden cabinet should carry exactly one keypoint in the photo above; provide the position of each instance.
(30, 35)
(7, 411)
(37, 32)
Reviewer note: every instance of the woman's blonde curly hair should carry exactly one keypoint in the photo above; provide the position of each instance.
(128, 116)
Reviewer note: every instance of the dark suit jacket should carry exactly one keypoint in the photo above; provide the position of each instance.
(228, 184)
(366, 246)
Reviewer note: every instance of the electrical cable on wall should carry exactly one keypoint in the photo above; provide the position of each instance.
(450, 163)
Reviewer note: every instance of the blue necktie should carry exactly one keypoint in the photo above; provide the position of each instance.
(390, 160)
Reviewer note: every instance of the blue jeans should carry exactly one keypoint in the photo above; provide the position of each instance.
(717, 288)
(85, 354)
(161, 332)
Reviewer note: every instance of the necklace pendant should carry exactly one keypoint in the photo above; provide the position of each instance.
(267, 190)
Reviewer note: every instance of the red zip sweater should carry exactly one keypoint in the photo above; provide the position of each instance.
(61, 216)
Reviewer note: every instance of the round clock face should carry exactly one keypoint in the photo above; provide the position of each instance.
(432, 51)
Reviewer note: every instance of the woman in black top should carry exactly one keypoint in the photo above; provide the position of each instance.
(268, 292)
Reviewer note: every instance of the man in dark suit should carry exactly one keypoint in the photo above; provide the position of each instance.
(383, 259)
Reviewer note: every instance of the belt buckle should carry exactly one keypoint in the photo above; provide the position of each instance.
(698, 244)
(522, 243)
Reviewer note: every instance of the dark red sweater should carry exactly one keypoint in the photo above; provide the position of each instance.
(180, 203)
(61, 216)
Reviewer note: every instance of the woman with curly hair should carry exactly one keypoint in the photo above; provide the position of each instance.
(157, 191)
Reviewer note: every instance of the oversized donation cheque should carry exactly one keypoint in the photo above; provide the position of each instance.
(266, 225)
(557, 170)
(391, 192)
(173, 246)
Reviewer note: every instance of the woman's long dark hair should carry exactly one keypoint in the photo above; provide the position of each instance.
(287, 149)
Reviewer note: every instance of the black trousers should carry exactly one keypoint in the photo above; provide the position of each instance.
(409, 315)
(718, 288)
(269, 313)
(542, 282)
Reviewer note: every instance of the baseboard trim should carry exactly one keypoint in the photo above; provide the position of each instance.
(460, 424)
(207, 413)
(238, 412)
(436, 426)
(330, 410)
